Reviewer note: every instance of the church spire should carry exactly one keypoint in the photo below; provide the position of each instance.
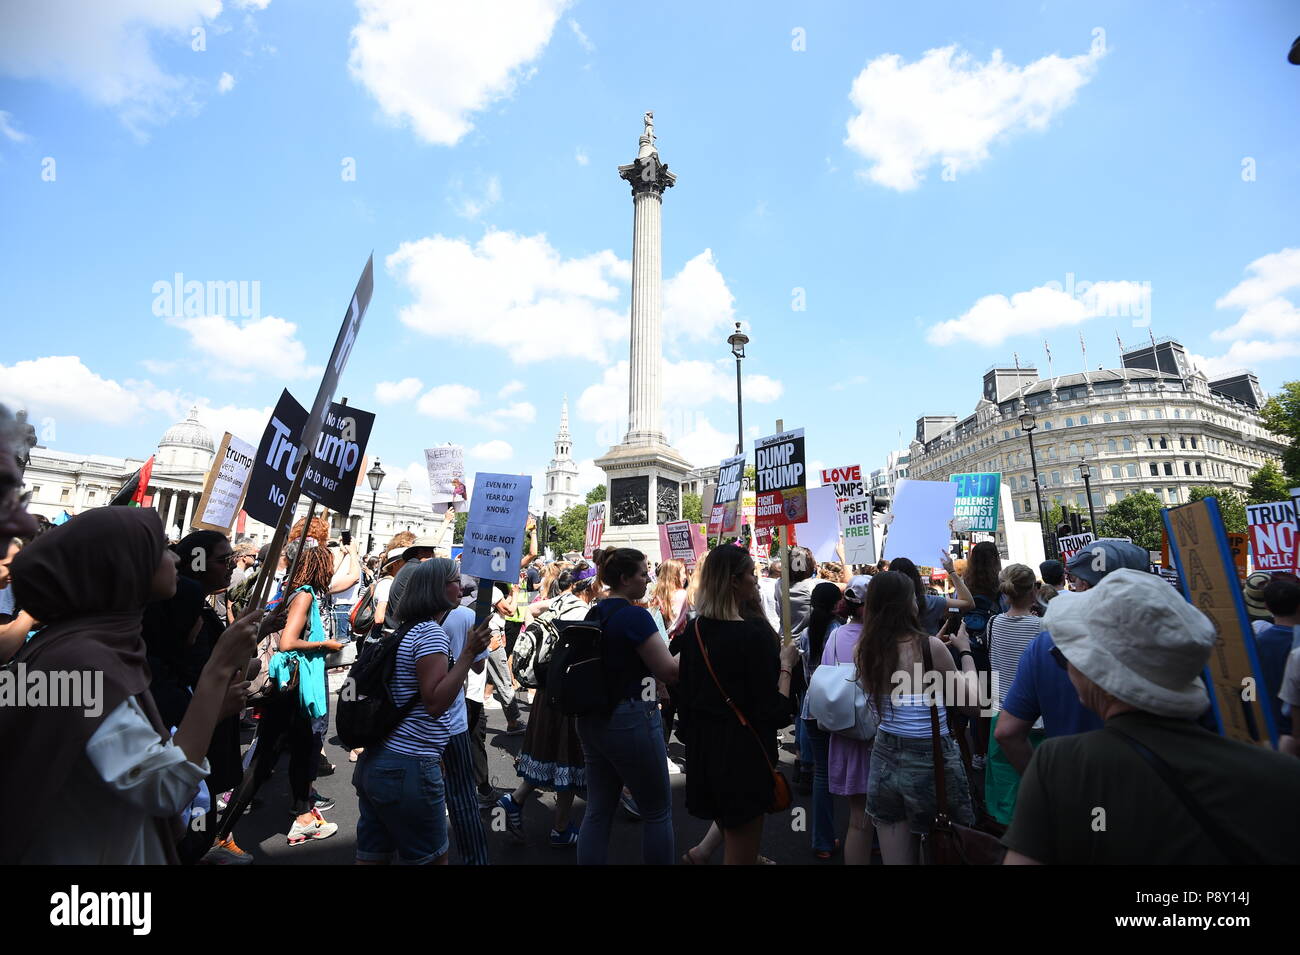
(564, 420)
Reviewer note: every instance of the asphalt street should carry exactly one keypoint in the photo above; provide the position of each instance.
(262, 831)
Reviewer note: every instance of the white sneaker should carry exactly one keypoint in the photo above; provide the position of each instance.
(318, 828)
(673, 768)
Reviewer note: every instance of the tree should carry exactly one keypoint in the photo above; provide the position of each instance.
(1231, 507)
(1281, 415)
(1267, 485)
(571, 530)
(594, 496)
(692, 508)
(458, 533)
(1137, 517)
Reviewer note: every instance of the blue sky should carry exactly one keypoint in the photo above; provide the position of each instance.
(916, 176)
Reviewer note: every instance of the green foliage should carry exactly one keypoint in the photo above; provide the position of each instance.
(594, 496)
(1281, 415)
(1267, 485)
(571, 529)
(458, 533)
(1137, 517)
(1231, 507)
(692, 506)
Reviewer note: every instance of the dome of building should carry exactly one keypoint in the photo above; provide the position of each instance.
(404, 485)
(188, 434)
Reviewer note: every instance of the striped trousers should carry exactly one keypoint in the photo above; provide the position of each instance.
(462, 801)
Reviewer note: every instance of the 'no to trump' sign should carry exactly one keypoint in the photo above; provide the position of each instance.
(1272, 535)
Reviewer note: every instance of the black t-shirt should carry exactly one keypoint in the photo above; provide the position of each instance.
(534, 578)
(626, 626)
(1091, 799)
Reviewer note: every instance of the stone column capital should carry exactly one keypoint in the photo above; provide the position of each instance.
(648, 174)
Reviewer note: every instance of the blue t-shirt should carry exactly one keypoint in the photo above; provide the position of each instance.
(1274, 645)
(457, 627)
(419, 734)
(1042, 688)
(936, 608)
(626, 626)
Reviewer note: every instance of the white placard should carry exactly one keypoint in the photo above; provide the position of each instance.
(919, 531)
(821, 534)
(226, 490)
(859, 530)
(446, 467)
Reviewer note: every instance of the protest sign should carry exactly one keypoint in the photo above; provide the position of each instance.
(681, 540)
(1238, 691)
(494, 531)
(336, 457)
(1070, 544)
(781, 480)
(724, 513)
(275, 468)
(224, 488)
(976, 506)
(1272, 535)
(595, 528)
(821, 534)
(846, 481)
(859, 531)
(922, 513)
(447, 476)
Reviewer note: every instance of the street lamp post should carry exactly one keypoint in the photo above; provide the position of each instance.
(738, 341)
(1027, 424)
(376, 477)
(1085, 472)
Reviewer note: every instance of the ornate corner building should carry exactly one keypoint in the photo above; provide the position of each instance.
(1154, 424)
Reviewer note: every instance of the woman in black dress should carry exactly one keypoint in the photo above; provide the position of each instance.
(728, 774)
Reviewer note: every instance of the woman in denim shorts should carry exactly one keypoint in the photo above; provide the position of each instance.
(399, 783)
(901, 795)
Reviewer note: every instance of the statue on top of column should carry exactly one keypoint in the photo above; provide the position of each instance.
(648, 137)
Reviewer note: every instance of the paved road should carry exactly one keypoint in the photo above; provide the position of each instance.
(263, 831)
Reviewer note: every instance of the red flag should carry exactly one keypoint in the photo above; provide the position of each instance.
(142, 488)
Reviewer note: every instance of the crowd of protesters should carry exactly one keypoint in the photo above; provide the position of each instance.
(1058, 696)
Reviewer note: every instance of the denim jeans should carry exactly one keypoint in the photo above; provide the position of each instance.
(626, 748)
(823, 805)
(402, 808)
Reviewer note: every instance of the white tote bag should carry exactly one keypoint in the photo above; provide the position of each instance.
(837, 702)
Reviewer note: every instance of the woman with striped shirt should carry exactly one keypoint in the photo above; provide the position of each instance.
(1009, 634)
(400, 782)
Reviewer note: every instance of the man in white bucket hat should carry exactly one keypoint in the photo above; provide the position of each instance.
(1152, 786)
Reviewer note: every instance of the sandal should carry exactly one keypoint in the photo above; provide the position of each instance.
(825, 853)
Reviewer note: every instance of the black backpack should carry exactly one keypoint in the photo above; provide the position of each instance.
(534, 650)
(977, 618)
(362, 618)
(577, 679)
(366, 714)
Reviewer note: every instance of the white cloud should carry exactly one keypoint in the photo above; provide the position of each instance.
(471, 207)
(415, 472)
(582, 37)
(435, 63)
(447, 401)
(581, 156)
(490, 451)
(589, 476)
(520, 412)
(947, 108)
(510, 388)
(995, 318)
(105, 51)
(266, 346)
(513, 285)
(7, 129)
(246, 423)
(704, 444)
(696, 301)
(226, 83)
(63, 385)
(1269, 326)
(155, 367)
(393, 392)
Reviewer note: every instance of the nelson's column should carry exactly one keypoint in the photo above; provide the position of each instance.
(644, 472)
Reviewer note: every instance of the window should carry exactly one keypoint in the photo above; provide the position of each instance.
(1069, 422)
(1169, 469)
(1182, 441)
(1198, 467)
(1187, 467)
(1024, 482)
(1083, 419)
(1075, 475)
(1128, 445)
(1151, 443)
(1193, 442)
(1056, 477)
(1106, 417)
(1087, 449)
(1133, 470)
(1173, 495)
(1051, 452)
(1155, 470)
(90, 497)
(1160, 413)
(1096, 499)
(1074, 450)
(1080, 500)
(1116, 472)
(1047, 426)
(63, 495)
(1123, 416)
(1026, 505)
(1164, 444)
(1144, 415)
(1112, 446)
(36, 491)
(568, 484)
(1006, 435)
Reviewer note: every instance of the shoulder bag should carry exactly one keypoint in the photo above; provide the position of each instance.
(837, 701)
(949, 842)
(781, 795)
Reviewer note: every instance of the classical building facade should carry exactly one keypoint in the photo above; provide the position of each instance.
(562, 490)
(61, 482)
(1154, 424)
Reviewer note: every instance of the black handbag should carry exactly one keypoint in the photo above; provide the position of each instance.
(949, 842)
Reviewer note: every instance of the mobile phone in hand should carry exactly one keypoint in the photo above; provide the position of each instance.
(346, 537)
